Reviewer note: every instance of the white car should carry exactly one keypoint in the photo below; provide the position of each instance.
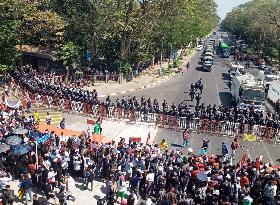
(238, 66)
(199, 48)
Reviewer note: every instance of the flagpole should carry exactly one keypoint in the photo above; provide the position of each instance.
(37, 163)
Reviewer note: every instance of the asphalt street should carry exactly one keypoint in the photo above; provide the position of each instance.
(216, 92)
(215, 84)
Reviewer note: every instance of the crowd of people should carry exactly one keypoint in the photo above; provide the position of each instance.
(29, 81)
(234, 113)
(133, 172)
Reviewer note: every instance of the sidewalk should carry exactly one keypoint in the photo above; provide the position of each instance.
(148, 78)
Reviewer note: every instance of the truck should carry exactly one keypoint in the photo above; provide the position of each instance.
(224, 49)
(246, 91)
(273, 94)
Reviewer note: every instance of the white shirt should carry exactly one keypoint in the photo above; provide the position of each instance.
(5, 181)
(150, 177)
(274, 189)
(77, 165)
(51, 175)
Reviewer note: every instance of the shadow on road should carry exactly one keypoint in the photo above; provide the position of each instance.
(200, 68)
(225, 98)
(176, 145)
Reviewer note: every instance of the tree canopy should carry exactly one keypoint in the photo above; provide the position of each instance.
(115, 32)
(258, 22)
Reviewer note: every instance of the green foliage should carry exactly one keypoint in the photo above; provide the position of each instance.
(258, 22)
(120, 34)
(175, 64)
(70, 55)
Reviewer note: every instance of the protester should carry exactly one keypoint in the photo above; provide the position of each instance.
(186, 137)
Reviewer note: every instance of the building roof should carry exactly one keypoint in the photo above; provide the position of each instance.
(39, 51)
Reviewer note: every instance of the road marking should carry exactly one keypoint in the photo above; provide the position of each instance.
(114, 94)
(119, 131)
(218, 91)
(248, 153)
(101, 96)
(267, 152)
(210, 148)
(123, 92)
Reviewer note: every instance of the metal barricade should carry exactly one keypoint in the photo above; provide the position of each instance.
(138, 116)
(94, 110)
(203, 125)
(161, 120)
(194, 124)
(151, 117)
(236, 130)
(172, 122)
(183, 123)
(132, 116)
(110, 113)
(229, 128)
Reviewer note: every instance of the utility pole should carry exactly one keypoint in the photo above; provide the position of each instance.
(160, 67)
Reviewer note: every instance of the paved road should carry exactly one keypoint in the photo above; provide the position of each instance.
(215, 92)
(270, 152)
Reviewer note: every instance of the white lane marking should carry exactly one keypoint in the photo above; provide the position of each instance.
(218, 91)
(123, 92)
(119, 131)
(210, 148)
(248, 153)
(267, 152)
(101, 96)
(114, 94)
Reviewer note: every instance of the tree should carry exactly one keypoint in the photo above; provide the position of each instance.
(43, 28)
(11, 15)
(258, 22)
(70, 55)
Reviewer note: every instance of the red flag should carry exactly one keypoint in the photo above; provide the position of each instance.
(148, 138)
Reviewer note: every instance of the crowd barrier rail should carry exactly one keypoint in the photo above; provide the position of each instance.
(201, 126)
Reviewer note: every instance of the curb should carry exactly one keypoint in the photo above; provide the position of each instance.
(150, 85)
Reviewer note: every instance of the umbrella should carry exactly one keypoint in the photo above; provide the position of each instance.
(13, 140)
(202, 177)
(4, 147)
(20, 131)
(21, 149)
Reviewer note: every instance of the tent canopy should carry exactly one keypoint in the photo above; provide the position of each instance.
(224, 46)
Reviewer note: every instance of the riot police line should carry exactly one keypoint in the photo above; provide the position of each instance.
(216, 121)
(212, 119)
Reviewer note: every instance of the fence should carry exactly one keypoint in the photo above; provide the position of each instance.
(102, 78)
(202, 126)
